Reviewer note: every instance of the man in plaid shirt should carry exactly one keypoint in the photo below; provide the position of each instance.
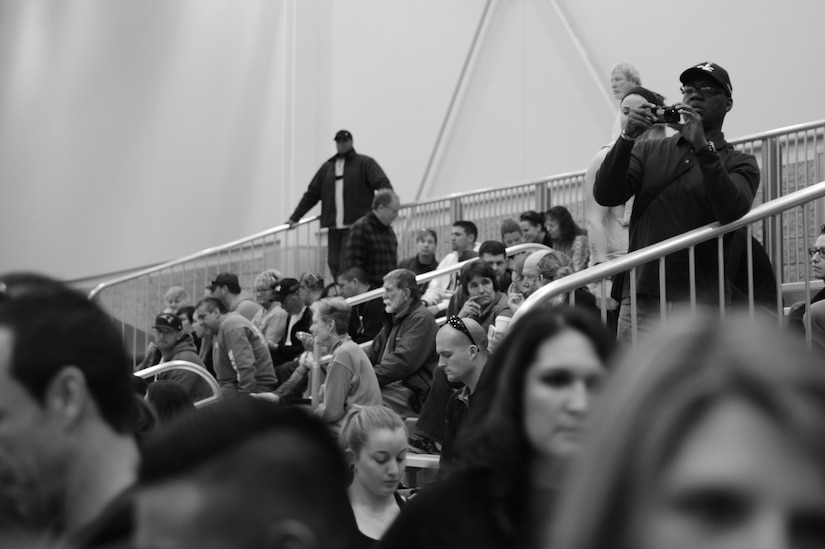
(372, 244)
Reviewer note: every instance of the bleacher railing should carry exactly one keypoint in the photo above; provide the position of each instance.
(134, 300)
(773, 213)
(790, 159)
(185, 365)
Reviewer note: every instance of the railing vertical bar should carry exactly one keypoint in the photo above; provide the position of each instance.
(749, 247)
(604, 299)
(720, 258)
(662, 290)
(807, 278)
(692, 274)
(777, 267)
(633, 313)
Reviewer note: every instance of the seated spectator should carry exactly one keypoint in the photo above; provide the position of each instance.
(69, 453)
(374, 440)
(271, 319)
(542, 268)
(289, 294)
(567, 237)
(403, 353)
(245, 474)
(169, 400)
(463, 240)
(484, 300)
(366, 319)
(186, 314)
(713, 430)
(372, 244)
(461, 345)
(518, 272)
(511, 233)
(241, 358)
(350, 378)
(205, 351)
(530, 406)
(798, 311)
(483, 305)
(311, 287)
(424, 260)
(175, 298)
(175, 344)
(227, 289)
(532, 228)
(494, 254)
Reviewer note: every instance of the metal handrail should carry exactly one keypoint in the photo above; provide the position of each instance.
(452, 197)
(199, 255)
(778, 132)
(189, 367)
(568, 175)
(666, 247)
(426, 277)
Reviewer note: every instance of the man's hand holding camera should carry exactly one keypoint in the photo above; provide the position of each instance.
(680, 117)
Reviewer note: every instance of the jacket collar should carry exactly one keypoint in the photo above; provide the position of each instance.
(347, 156)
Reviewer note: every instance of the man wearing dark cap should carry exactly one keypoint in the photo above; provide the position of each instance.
(289, 292)
(680, 183)
(175, 343)
(344, 185)
(227, 288)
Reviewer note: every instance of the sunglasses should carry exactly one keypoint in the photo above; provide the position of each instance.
(459, 325)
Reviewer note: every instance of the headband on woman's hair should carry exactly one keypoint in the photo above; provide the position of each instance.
(651, 96)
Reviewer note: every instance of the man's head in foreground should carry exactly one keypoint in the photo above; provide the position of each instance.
(66, 404)
(244, 473)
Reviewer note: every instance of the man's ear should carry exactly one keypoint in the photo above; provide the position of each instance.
(290, 534)
(66, 395)
(349, 455)
(729, 104)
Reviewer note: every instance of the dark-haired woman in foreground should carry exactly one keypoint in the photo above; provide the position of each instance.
(535, 398)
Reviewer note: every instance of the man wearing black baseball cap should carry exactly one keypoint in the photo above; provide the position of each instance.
(176, 344)
(227, 288)
(680, 183)
(345, 185)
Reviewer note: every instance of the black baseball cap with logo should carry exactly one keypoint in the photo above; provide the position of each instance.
(343, 135)
(711, 70)
(168, 321)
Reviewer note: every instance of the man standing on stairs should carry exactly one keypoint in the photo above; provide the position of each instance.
(680, 183)
(345, 185)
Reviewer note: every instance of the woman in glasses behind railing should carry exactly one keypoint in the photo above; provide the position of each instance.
(798, 311)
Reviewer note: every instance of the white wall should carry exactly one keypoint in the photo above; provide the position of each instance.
(136, 131)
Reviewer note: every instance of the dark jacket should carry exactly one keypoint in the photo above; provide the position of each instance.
(372, 246)
(366, 320)
(195, 385)
(285, 353)
(405, 350)
(362, 177)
